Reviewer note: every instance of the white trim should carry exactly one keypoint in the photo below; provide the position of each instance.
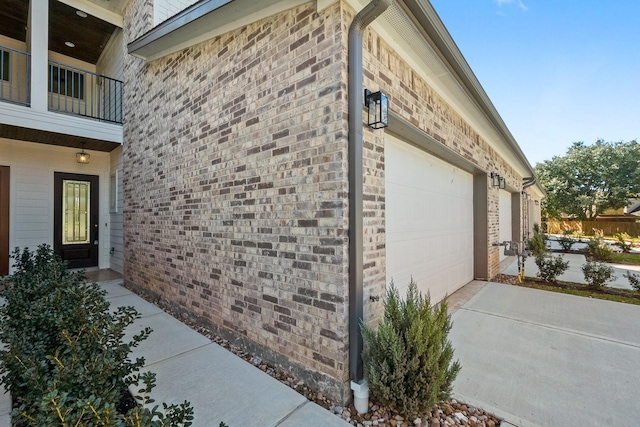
(95, 10)
(18, 115)
(194, 26)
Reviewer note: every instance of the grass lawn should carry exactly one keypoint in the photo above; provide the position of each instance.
(622, 258)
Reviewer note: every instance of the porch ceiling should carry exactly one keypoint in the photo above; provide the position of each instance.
(54, 138)
(90, 34)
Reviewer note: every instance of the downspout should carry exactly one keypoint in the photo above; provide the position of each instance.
(356, 244)
(526, 183)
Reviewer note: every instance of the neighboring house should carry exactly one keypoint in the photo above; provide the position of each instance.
(628, 212)
(238, 202)
(61, 94)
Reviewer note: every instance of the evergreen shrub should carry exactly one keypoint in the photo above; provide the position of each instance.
(408, 359)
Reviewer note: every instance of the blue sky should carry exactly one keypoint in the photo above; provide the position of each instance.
(557, 71)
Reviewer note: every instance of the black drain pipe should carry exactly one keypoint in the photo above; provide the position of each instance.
(356, 99)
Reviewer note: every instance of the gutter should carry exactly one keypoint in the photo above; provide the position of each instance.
(445, 46)
(356, 244)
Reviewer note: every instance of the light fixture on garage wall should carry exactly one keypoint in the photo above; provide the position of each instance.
(82, 157)
(378, 108)
(495, 179)
(503, 183)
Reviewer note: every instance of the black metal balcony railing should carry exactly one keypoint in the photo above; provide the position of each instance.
(14, 75)
(71, 90)
(76, 91)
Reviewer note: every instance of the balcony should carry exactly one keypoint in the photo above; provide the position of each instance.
(71, 90)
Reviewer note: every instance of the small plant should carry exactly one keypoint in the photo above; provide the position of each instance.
(550, 268)
(597, 274)
(408, 360)
(65, 361)
(537, 244)
(634, 280)
(599, 250)
(622, 241)
(565, 241)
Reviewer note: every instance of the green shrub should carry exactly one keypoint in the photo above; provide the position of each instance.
(597, 274)
(550, 268)
(634, 280)
(599, 250)
(407, 361)
(537, 244)
(65, 361)
(565, 243)
(623, 241)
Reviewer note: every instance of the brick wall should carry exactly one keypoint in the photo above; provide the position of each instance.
(235, 153)
(235, 174)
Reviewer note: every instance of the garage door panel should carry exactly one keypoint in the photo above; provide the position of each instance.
(504, 219)
(429, 214)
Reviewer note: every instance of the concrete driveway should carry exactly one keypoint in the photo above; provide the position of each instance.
(538, 358)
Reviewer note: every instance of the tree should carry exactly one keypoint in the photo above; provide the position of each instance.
(590, 178)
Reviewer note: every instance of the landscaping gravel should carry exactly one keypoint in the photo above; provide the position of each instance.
(449, 413)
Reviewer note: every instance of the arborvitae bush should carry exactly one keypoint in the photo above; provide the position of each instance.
(550, 268)
(537, 244)
(65, 361)
(408, 359)
(597, 274)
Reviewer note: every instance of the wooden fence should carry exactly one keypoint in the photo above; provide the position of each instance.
(609, 228)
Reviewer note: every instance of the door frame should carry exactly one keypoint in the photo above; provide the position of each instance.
(94, 220)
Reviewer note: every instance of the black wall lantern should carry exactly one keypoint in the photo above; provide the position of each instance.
(378, 106)
(498, 181)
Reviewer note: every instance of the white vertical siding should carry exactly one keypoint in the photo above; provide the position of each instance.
(165, 9)
(111, 60)
(116, 259)
(31, 176)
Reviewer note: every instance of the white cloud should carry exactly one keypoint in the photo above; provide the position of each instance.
(518, 3)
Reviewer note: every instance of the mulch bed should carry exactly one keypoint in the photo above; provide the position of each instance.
(535, 283)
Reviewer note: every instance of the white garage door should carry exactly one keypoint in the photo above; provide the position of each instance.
(505, 219)
(429, 216)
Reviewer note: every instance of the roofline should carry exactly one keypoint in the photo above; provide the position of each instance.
(188, 15)
(446, 48)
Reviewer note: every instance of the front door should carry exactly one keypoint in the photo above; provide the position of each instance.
(4, 220)
(75, 217)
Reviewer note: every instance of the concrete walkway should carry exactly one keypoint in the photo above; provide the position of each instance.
(539, 358)
(574, 273)
(219, 385)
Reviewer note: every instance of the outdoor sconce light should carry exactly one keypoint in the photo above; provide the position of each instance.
(495, 180)
(498, 181)
(378, 106)
(82, 157)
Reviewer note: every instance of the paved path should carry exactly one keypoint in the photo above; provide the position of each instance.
(219, 385)
(541, 358)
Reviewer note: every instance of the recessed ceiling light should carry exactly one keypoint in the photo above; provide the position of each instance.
(70, 44)
(81, 14)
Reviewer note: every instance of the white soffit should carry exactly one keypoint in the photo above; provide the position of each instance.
(103, 9)
(398, 30)
(203, 21)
